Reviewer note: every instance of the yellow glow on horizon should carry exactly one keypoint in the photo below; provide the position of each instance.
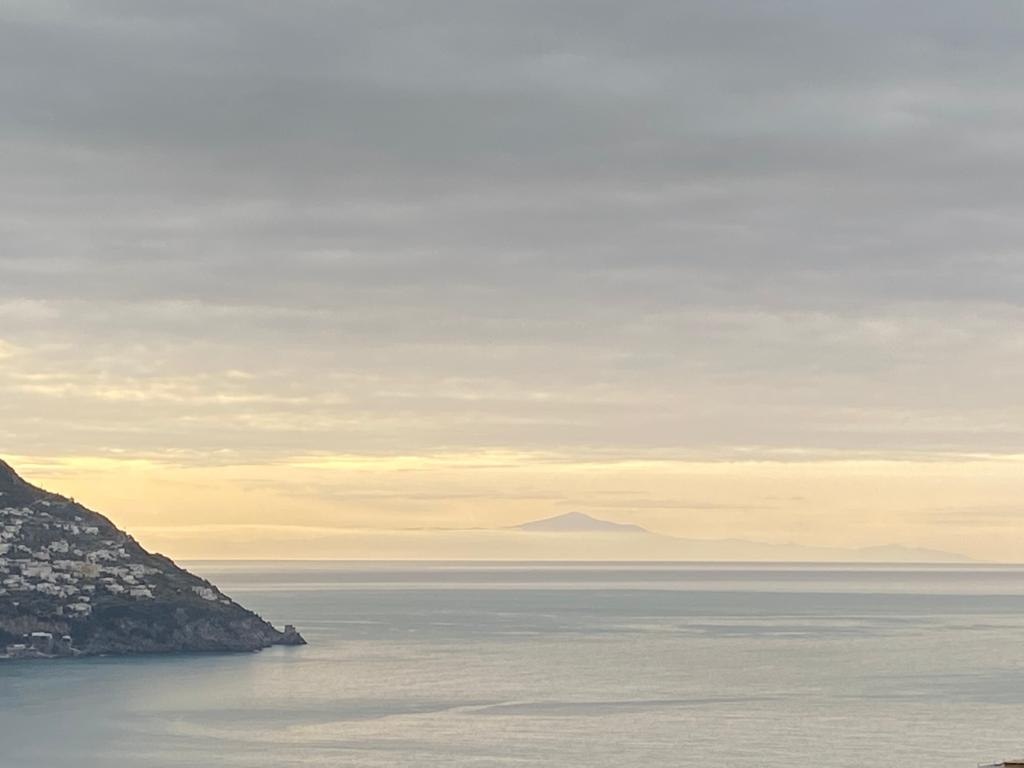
(959, 504)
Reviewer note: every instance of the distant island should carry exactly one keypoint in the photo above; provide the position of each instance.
(606, 536)
(571, 536)
(72, 583)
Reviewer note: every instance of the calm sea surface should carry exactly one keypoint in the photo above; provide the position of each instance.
(561, 666)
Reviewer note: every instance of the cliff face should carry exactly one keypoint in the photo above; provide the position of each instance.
(68, 571)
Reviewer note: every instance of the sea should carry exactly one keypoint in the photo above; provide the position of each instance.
(560, 665)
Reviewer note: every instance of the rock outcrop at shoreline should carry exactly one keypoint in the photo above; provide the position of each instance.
(72, 583)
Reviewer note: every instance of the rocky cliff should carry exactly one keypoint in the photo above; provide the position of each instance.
(83, 586)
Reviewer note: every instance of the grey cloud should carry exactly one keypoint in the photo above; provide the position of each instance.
(676, 227)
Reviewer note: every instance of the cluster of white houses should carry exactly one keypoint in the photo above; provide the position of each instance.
(74, 563)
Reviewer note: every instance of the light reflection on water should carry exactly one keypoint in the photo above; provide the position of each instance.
(559, 665)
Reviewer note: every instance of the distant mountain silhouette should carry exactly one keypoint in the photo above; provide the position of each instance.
(638, 542)
(575, 536)
(579, 522)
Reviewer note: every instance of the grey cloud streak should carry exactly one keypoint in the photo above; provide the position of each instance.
(679, 227)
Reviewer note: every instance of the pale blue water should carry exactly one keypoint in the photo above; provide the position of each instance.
(558, 666)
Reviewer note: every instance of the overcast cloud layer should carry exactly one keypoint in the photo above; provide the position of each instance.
(248, 231)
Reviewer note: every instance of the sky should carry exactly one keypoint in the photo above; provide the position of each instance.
(722, 269)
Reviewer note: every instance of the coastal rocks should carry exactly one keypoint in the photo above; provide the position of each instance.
(69, 574)
(291, 636)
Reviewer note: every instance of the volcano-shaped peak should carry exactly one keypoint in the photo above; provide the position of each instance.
(579, 522)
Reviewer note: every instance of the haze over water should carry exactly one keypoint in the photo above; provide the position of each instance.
(580, 665)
